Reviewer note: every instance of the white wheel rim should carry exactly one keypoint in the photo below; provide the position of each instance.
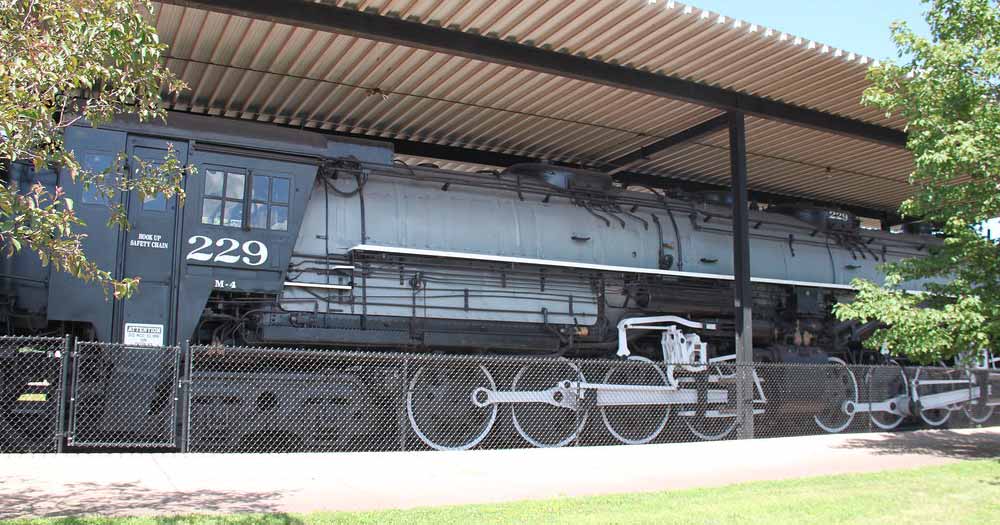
(899, 418)
(986, 417)
(524, 434)
(429, 442)
(968, 408)
(924, 412)
(850, 417)
(713, 437)
(662, 425)
(935, 422)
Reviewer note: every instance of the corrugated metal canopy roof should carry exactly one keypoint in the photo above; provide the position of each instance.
(260, 70)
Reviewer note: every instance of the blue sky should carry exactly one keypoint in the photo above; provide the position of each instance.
(859, 26)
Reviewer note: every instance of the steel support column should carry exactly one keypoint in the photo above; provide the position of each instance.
(743, 296)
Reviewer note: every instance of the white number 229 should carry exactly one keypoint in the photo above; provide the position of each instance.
(255, 252)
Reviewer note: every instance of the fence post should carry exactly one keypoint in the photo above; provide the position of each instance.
(745, 394)
(63, 393)
(184, 402)
(582, 407)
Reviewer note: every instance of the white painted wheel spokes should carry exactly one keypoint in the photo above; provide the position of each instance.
(838, 385)
(711, 421)
(934, 417)
(636, 424)
(884, 383)
(439, 405)
(543, 424)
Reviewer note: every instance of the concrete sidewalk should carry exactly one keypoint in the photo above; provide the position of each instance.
(143, 484)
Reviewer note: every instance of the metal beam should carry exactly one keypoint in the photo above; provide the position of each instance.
(325, 17)
(638, 156)
(452, 153)
(743, 295)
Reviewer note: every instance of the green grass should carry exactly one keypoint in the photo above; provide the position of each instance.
(966, 492)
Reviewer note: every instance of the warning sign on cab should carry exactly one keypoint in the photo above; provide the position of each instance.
(141, 334)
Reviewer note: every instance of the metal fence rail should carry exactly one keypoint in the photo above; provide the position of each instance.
(234, 399)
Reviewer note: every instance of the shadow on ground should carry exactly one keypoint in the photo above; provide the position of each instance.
(940, 443)
(129, 499)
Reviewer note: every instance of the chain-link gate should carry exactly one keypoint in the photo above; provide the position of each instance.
(32, 375)
(124, 396)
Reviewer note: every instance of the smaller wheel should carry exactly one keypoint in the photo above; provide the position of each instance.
(836, 385)
(884, 383)
(977, 409)
(636, 424)
(934, 417)
(439, 405)
(541, 424)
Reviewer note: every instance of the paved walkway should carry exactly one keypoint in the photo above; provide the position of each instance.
(143, 484)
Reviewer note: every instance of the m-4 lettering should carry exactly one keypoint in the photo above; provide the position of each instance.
(251, 253)
(222, 283)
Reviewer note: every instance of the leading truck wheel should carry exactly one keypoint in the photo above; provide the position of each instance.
(837, 386)
(439, 405)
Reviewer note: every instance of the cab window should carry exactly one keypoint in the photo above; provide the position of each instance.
(269, 209)
(96, 163)
(239, 199)
(224, 198)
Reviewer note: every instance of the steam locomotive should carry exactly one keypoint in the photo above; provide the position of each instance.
(294, 238)
(297, 239)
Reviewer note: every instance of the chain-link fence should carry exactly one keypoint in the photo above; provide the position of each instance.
(266, 399)
(236, 399)
(32, 401)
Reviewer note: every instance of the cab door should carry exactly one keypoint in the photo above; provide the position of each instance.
(148, 252)
(71, 299)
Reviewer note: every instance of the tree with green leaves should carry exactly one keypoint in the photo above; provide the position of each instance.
(947, 87)
(64, 63)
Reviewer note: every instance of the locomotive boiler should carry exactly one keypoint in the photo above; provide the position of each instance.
(294, 238)
(297, 239)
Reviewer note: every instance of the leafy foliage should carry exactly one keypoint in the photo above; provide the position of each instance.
(947, 88)
(67, 62)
